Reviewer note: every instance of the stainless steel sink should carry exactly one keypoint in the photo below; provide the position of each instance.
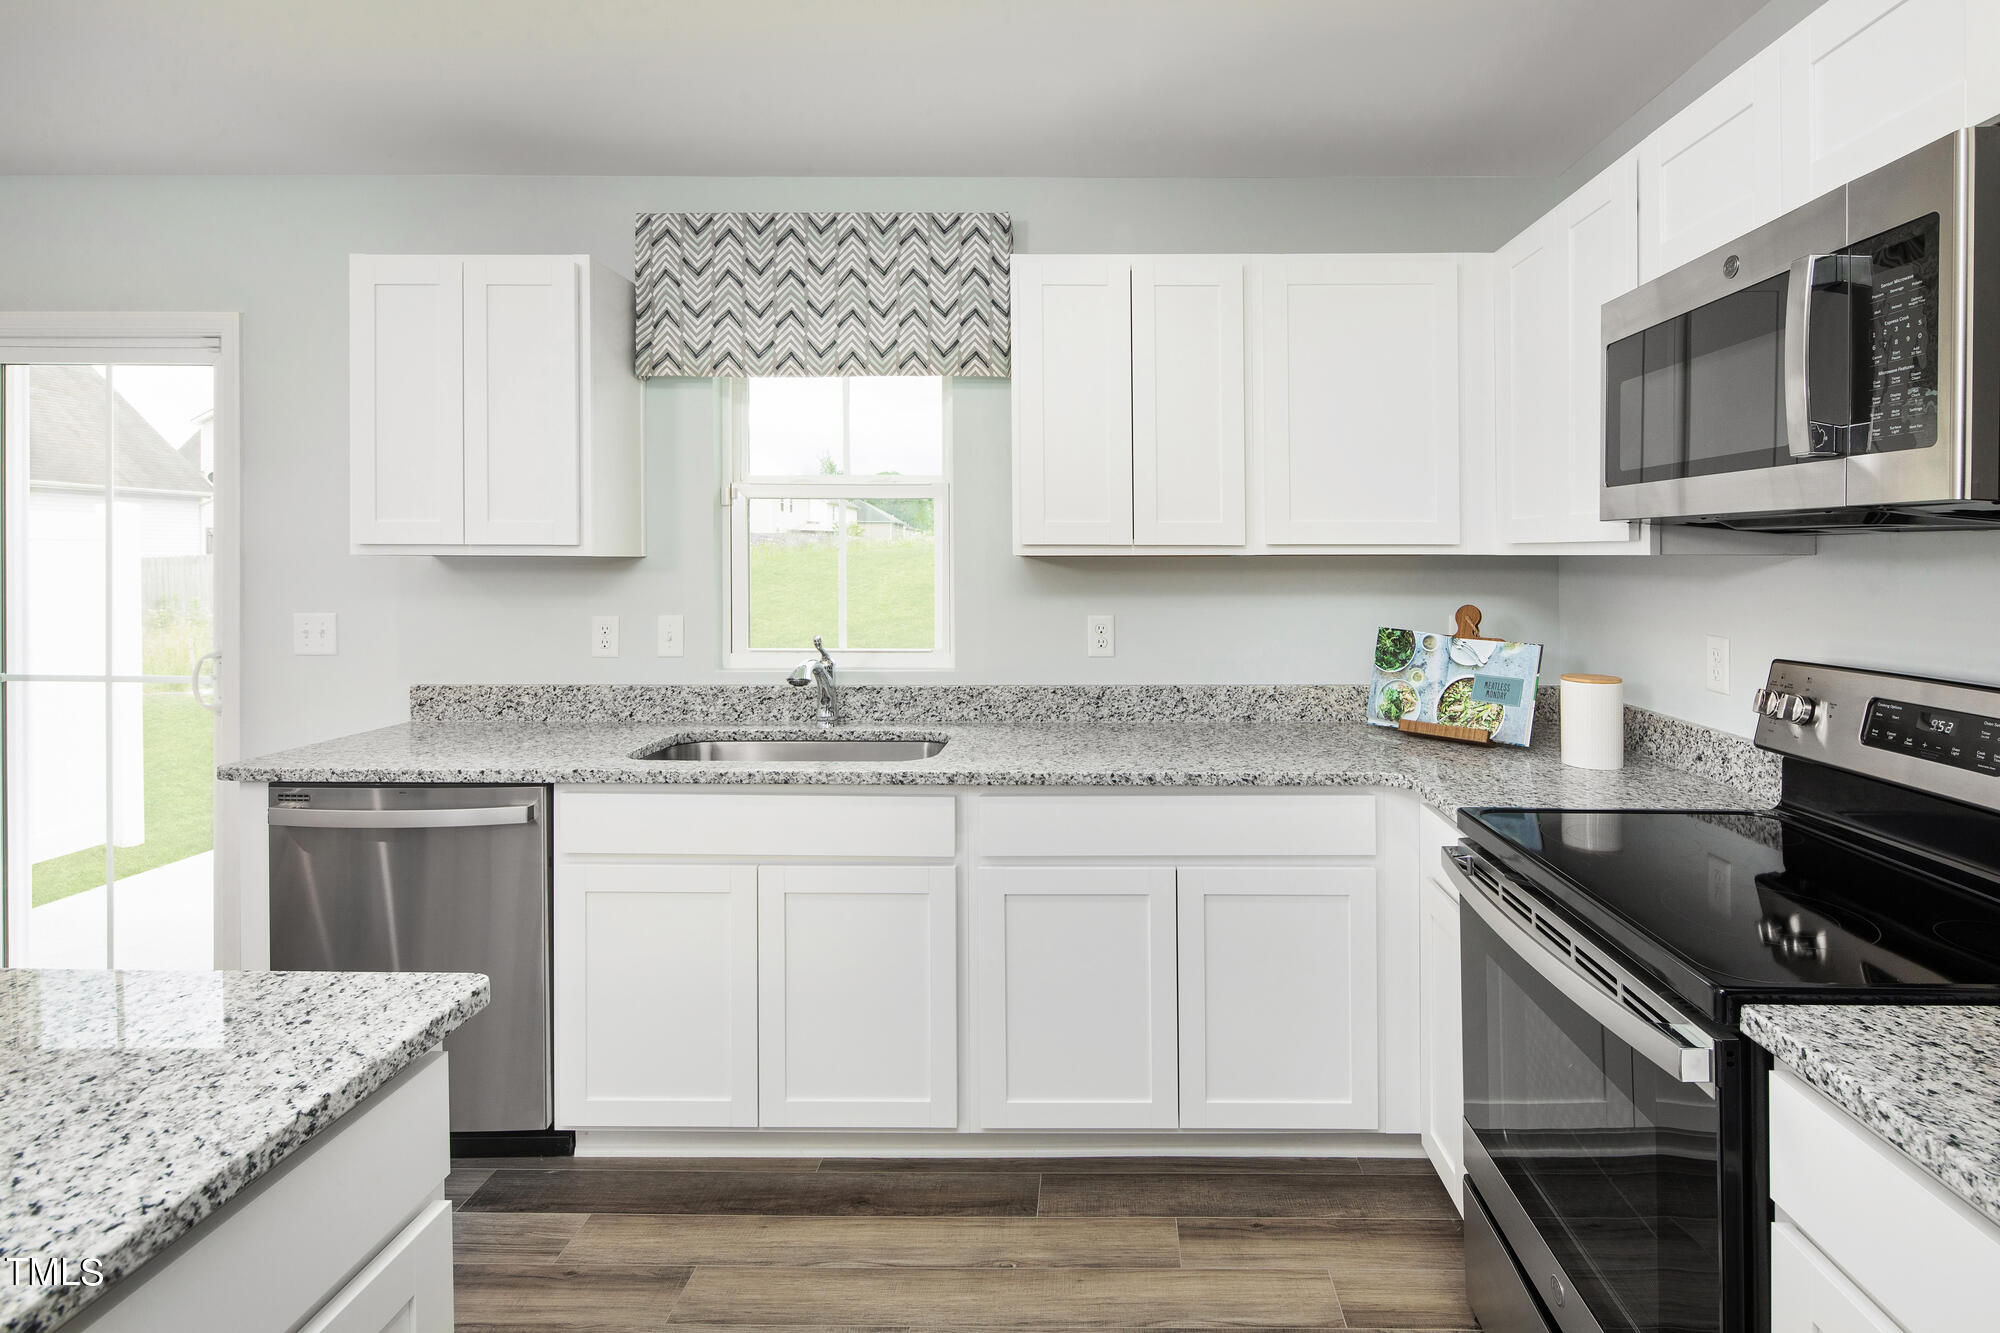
(788, 751)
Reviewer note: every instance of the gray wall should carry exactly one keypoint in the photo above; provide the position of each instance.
(1916, 602)
(276, 250)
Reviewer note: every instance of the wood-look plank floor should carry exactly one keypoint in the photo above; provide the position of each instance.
(611, 1245)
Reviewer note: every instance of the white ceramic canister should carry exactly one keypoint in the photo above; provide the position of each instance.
(1593, 721)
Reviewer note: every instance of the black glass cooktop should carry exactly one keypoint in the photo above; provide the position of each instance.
(1730, 907)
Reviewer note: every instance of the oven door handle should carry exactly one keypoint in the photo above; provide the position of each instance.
(1676, 1053)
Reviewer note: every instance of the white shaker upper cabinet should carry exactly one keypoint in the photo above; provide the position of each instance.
(405, 401)
(492, 407)
(523, 426)
(1188, 404)
(1867, 81)
(1357, 399)
(1072, 378)
(1278, 998)
(1554, 281)
(1714, 171)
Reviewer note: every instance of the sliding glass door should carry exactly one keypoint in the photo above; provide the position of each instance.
(110, 600)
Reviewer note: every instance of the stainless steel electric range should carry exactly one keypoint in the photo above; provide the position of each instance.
(1614, 1114)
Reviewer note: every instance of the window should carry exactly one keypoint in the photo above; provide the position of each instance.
(839, 520)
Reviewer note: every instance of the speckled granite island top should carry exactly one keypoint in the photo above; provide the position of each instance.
(1050, 736)
(135, 1104)
(1923, 1077)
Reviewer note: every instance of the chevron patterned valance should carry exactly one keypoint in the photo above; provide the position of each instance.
(741, 294)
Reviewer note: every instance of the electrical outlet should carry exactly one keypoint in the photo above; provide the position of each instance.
(312, 633)
(1098, 641)
(604, 636)
(1718, 664)
(670, 636)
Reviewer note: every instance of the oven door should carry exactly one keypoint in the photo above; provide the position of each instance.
(1596, 1134)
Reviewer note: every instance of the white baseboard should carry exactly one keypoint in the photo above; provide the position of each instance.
(951, 1143)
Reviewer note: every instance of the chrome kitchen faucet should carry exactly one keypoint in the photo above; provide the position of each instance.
(819, 671)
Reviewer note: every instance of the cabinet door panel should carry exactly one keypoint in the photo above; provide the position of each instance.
(1358, 400)
(523, 419)
(405, 410)
(1533, 383)
(656, 995)
(1810, 1295)
(1867, 81)
(1188, 407)
(1072, 364)
(857, 988)
(1278, 998)
(1073, 997)
(406, 1288)
(1439, 1021)
(1714, 171)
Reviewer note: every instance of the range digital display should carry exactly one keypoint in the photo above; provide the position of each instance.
(1941, 735)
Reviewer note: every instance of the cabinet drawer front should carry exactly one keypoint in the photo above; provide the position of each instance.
(1921, 1254)
(672, 823)
(1170, 824)
(404, 1289)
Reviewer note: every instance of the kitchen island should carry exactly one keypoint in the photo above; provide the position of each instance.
(217, 1149)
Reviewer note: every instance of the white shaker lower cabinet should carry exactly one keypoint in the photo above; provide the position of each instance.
(404, 1289)
(656, 995)
(1357, 399)
(1439, 1023)
(858, 996)
(1073, 997)
(1810, 1295)
(1278, 1006)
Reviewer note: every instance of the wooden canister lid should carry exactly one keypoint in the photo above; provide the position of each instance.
(1582, 678)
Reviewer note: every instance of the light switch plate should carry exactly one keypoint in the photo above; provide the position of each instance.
(604, 636)
(670, 636)
(1098, 641)
(1717, 664)
(313, 633)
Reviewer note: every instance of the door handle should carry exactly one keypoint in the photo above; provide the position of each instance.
(472, 816)
(1805, 438)
(208, 701)
(1678, 1051)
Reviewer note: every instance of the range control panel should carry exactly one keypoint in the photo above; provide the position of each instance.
(1936, 736)
(1941, 735)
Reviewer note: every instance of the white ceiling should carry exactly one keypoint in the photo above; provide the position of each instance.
(836, 87)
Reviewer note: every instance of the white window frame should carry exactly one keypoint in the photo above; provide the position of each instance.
(733, 410)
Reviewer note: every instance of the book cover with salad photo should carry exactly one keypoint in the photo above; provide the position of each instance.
(1428, 677)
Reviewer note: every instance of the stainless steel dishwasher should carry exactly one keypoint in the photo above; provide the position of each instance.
(430, 879)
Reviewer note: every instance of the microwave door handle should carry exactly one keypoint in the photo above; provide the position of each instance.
(1810, 274)
(1798, 358)
(1677, 1054)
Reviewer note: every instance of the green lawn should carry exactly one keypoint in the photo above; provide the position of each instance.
(891, 590)
(180, 801)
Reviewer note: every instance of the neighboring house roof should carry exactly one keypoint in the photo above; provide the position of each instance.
(66, 437)
(865, 512)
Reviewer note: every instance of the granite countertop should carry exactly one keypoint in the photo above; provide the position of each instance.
(1924, 1077)
(138, 1103)
(1181, 753)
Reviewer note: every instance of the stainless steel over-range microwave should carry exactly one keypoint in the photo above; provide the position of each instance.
(1837, 368)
